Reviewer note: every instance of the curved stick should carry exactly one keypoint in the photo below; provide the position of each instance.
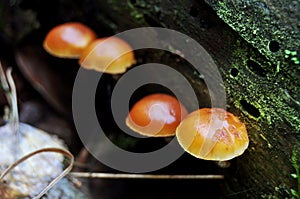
(55, 180)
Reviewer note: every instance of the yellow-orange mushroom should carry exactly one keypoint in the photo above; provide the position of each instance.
(109, 55)
(212, 134)
(156, 115)
(68, 40)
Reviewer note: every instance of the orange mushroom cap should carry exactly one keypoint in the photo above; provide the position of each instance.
(110, 55)
(156, 115)
(68, 40)
(212, 134)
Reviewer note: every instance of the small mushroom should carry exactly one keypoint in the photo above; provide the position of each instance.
(109, 55)
(156, 115)
(68, 40)
(212, 134)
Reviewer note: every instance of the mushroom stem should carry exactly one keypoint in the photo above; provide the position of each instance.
(223, 164)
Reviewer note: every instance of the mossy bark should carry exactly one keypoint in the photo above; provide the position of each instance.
(262, 87)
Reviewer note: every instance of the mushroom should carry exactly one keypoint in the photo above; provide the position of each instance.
(68, 40)
(212, 134)
(156, 115)
(109, 55)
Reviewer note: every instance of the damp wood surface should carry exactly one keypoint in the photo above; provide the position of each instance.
(262, 86)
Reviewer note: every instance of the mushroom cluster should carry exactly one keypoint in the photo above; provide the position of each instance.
(75, 40)
(207, 133)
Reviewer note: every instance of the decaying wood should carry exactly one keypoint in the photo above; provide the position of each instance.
(262, 87)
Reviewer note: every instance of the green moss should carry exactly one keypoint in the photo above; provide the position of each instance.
(296, 175)
(134, 12)
(126, 7)
(270, 102)
(282, 190)
(274, 23)
(292, 55)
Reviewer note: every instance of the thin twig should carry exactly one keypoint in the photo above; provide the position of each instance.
(141, 176)
(14, 117)
(6, 89)
(3, 79)
(9, 88)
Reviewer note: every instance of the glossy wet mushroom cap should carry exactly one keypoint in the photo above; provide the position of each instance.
(68, 40)
(212, 134)
(109, 55)
(156, 115)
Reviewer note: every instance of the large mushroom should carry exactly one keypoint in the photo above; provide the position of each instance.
(109, 55)
(156, 115)
(212, 134)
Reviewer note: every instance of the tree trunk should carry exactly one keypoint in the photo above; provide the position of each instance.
(261, 84)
